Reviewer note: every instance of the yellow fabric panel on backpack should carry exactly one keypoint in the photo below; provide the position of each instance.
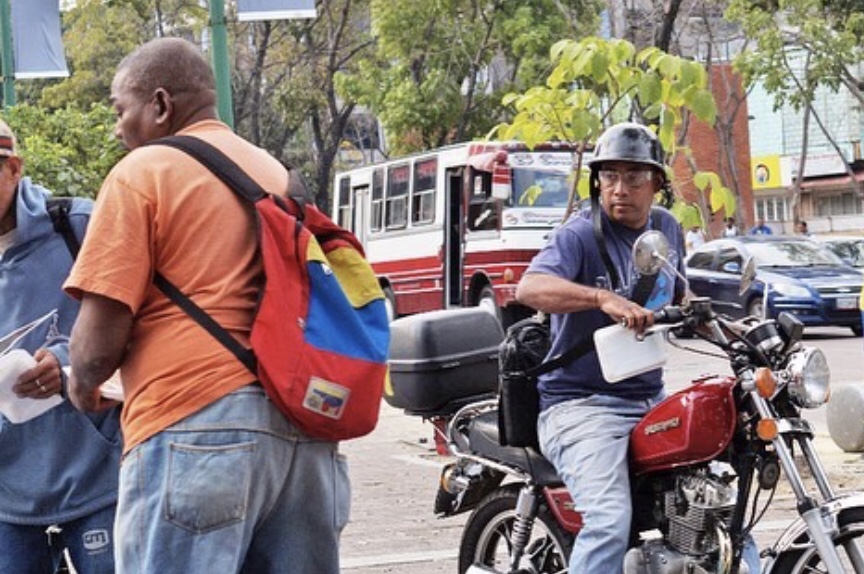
(352, 271)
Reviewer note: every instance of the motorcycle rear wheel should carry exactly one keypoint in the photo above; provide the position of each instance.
(488, 534)
(807, 560)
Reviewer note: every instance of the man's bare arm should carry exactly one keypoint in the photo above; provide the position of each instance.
(96, 349)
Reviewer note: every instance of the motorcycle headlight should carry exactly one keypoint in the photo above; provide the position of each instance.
(809, 378)
(791, 290)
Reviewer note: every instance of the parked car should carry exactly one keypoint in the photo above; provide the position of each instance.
(847, 247)
(802, 277)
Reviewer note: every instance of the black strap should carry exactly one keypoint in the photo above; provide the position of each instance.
(597, 220)
(246, 356)
(59, 209)
(220, 164)
(246, 188)
(583, 347)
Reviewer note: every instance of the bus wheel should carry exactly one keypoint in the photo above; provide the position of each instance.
(486, 301)
(390, 304)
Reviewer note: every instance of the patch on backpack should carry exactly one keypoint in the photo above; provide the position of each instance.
(326, 398)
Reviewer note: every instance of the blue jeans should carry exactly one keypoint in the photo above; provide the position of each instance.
(29, 550)
(587, 440)
(232, 488)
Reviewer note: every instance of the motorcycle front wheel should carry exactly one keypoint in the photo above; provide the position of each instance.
(488, 535)
(803, 559)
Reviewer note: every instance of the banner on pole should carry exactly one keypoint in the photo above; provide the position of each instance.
(275, 9)
(36, 39)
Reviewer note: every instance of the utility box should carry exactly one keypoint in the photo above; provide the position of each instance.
(443, 360)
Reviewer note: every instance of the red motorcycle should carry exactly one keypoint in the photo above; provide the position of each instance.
(704, 463)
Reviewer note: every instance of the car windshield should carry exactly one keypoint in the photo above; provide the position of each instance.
(851, 250)
(791, 254)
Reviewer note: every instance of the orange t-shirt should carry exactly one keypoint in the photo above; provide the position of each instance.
(159, 209)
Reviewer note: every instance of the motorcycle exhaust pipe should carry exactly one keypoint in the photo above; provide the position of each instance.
(478, 569)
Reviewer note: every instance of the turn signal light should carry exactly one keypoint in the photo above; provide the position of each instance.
(509, 275)
(766, 429)
(766, 383)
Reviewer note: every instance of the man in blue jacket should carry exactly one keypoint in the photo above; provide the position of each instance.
(60, 468)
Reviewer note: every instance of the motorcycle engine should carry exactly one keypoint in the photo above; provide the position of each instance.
(692, 541)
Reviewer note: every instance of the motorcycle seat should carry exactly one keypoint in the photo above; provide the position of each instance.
(484, 440)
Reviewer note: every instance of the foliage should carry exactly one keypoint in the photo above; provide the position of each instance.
(440, 68)
(284, 94)
(68, 150)
(830, 33)
(597, 82)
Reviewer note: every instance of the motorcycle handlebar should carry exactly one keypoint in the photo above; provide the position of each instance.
(668, 315)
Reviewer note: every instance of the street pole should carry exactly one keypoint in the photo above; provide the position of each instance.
(8, 62)
(220, 61)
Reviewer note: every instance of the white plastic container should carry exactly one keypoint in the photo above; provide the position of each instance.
(15, 408)
(622, 354)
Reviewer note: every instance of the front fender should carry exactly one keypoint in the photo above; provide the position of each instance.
(798, 529)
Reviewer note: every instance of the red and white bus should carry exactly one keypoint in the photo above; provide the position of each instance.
(456, 226)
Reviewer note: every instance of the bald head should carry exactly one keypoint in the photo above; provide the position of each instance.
(174, 64)
(160, 88)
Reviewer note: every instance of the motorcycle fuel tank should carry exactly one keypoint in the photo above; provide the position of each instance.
(691, 426)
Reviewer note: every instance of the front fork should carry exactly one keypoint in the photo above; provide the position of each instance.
(821, 522)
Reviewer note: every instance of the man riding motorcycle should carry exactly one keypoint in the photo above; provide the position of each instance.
(584, 278)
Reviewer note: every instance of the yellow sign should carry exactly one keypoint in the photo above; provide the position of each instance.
(765, 172)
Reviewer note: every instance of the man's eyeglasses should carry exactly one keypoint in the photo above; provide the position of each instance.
(635, 178)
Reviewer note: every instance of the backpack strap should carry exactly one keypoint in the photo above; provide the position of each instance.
(246, 356)
(246, 188)
(59, 209)
(597, 221)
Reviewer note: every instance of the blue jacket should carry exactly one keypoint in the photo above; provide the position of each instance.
(63, 464)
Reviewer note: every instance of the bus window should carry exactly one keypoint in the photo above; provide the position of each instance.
(540, 188)
(398, 181)
(482, 207)
(377, 215)
(344, 204)
(423, 200)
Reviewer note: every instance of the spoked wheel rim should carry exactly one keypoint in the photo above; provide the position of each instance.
(543, 553)
(810, 562)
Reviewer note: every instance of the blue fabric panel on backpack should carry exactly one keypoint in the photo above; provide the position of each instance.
(333, 324)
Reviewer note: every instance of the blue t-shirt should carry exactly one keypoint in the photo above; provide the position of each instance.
(572, 254)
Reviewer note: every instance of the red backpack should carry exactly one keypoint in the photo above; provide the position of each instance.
(321, 334)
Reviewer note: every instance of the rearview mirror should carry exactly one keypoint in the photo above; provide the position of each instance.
(650, 252)
(748, 275)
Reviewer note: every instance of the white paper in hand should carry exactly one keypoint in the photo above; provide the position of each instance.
(112, 389)
(622, 354)
(13, 407)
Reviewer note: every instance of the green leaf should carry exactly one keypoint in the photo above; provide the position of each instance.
(650, 90)
(704, 107)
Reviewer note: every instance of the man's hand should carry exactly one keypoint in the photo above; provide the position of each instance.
(43, 380)
(624, 311)
(87, 400)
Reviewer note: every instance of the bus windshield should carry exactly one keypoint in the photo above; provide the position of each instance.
(539, 188)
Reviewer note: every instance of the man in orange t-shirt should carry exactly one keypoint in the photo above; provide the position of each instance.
(214, 478)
